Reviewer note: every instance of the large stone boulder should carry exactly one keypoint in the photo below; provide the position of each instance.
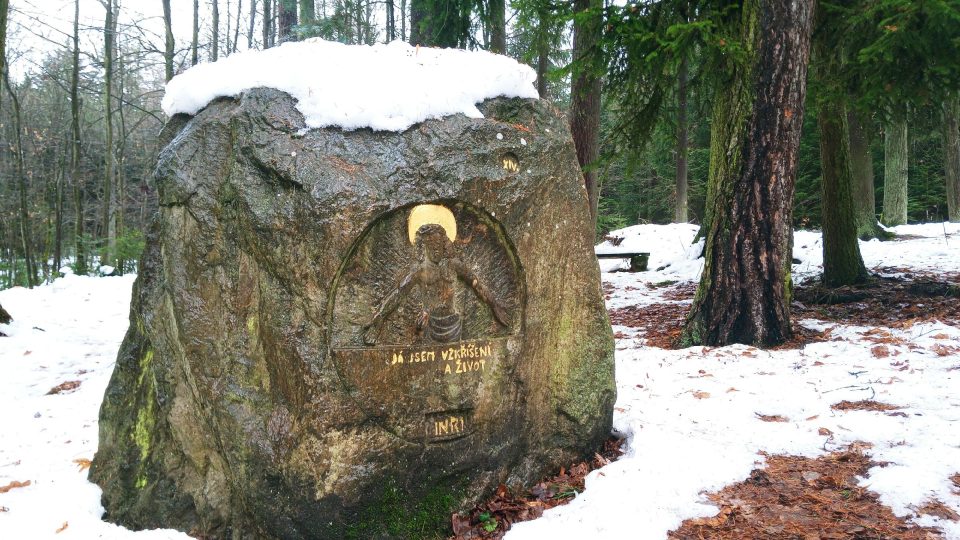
(352, 334)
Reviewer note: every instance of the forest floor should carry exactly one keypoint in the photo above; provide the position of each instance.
(850, 431)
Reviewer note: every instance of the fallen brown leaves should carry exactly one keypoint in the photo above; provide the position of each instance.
(493, 518)
(82, 463)
(772, 417)
(938, 509)
(863, 405)
(14, 484)
(661, 323)
(64, 387)
(892, 302)
(62, 527)
(797, 497)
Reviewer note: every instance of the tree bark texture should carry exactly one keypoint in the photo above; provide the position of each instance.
(842, 262)
(194, 44)
(498, 26)
(215, 24)
(252, 22)
(585, 97)
(895, 163)
(267, 25)
(744, 292)
(108, 229)
(862, 188)
(288, 19)
(417, 14)
(168, 42)
(680, 203)
(78, 187)
(951, 156)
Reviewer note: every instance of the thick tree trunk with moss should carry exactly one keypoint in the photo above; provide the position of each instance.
(744, 293)
(585, 96)
(895, 163)
(842, 262)
(951, 156)
(287, 20)
(862, 188)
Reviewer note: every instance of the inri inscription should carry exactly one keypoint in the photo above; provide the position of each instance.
(426, 309)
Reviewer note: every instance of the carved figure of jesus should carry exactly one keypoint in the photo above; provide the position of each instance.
(436, 273)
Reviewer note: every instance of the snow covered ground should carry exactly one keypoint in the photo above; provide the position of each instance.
(690, 415)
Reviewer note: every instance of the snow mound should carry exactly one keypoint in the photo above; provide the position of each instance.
(383, 87)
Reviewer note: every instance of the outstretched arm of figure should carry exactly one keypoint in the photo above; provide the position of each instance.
(391, 301)
(483, 292)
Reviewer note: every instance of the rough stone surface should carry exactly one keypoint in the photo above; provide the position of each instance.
(304, 360)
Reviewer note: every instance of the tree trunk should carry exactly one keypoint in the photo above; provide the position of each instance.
(288, 19)
(26, 235)
(744, 292)
(680, 205)
(417, 8)
(585, 96)
(543, 52)
(215, 51)
(391, 22)
(194, 58)
(308, 12)
(895, 162)
(498, 26)
(253, 20)
(79, 194)
(861, 171)
(403, 20)
(267, 25)
(5, 317)
(226, 49)
(236, 27)
(951, 156)
(842, 262)
(108, 231)
(169, 43)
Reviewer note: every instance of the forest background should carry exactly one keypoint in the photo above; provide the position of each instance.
(82, 83)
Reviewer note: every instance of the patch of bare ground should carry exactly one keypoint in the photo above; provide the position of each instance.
(660, 323)
(804, 499)
(494, 517)
(890, 301)
(863, 405)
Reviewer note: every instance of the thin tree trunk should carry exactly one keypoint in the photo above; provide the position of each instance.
(403, 20)
(543, 52)
(169, 43)
(744, 292)
(842, 262)
(267, 24)
(680, 205)
(216, 31)
(106, 217)
(226, 50)
(585, 97)
(498, 26)
(26, 236)
(951, 156)
(391, 22)
(253, 19)
(895, 163)
(236, 27)
(58, 216)
(78, 191)
(194, 58)
(861, 170)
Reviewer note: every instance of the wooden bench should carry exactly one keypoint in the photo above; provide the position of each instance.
(638, 259)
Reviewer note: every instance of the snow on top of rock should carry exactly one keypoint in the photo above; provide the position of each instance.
(384, 87)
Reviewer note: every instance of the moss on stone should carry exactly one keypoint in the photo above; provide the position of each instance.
(396, 516)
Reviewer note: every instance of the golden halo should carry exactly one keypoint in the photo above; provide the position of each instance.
(431, 213)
